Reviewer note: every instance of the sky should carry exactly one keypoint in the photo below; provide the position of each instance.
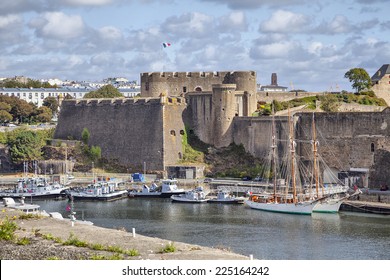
(310, 44)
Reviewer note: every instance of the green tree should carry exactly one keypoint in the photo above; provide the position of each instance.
(52, 103)
(107, 91)
(359, 78)
(5, 116)
(85, 135)
(25, 145)
(5, 106)
(95, 153)
(43, 114)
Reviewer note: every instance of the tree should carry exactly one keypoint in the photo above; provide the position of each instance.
(5, 116)
(107, 91)
(359, 78)
(95, 153)
(43, 114)
(85, 135)
(52, 103)
(25, 145)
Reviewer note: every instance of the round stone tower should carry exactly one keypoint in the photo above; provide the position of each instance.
(224, 101)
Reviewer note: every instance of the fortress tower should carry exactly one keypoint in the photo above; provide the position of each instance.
(224, 100)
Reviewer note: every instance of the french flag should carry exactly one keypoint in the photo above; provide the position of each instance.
(166, 45)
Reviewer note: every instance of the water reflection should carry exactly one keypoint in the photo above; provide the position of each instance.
(243, 230)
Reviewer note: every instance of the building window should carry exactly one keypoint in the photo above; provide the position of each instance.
(198, 89)
(184, 89)
(180, 156)
(147, 86)
(372, 147)
(181, 132)
(173, 133)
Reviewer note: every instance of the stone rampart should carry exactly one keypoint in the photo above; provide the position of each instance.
(132, 131)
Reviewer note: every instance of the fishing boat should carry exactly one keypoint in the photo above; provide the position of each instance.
(101, 191)
(35, 188)
(286, 200)
(226, 197)
(166, 190)
(196, 195)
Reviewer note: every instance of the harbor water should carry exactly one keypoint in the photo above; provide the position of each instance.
(272, 236)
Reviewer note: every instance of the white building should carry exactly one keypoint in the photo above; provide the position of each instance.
(37, 95)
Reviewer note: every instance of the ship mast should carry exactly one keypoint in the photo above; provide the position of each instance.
(315, 155)
(292, 150)
(274, 149)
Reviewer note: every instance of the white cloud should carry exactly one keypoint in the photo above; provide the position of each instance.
(57, 25)
(89, 2)
(285, 22)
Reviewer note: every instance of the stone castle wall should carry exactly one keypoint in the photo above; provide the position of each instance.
(177, 83)
(129, 130)
(382, 88)
(346, 140)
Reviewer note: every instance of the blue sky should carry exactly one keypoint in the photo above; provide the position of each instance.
(310, 44)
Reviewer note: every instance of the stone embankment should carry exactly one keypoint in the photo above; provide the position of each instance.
(40, 247)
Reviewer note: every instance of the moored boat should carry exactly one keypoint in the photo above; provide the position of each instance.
(35, 188)
(167, 189)
(196, 195)
(101, 191)
(226, 197)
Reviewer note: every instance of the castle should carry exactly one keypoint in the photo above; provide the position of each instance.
(217, 107)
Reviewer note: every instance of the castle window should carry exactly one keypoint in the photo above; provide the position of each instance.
(198, 89)
(180, 156)
(184, 89)
(266, 94)
(182, 132)
(173, 133)
(372, 147)
(147, 86)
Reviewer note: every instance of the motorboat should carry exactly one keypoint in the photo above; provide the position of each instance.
(196, 195)
(35, 188)
(227, 198)
(167, 189)
(102, 191)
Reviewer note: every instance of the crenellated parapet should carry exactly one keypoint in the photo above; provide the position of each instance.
(93, 102)
(156, 84)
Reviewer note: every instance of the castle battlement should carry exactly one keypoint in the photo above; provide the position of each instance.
(94, 102)
(194, 75)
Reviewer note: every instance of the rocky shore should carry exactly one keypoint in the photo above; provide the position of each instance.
(48, 238)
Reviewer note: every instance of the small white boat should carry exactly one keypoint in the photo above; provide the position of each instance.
(35, 188)
(194, 196)
(227, 198)
(10, 203)
(102, 191)
(167, 189)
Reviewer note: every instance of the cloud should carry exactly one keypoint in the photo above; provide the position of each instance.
(196, 25)
(233, 22)
(88, 2)
(57, 25)
(250, 4)
(11, 29)
(285, 22)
